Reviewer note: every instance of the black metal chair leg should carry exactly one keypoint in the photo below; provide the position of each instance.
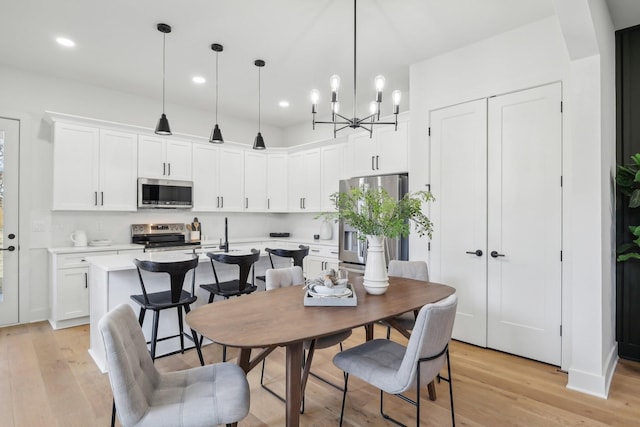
(181, 329)
(113, 414)
(344, 397)
(154, 333)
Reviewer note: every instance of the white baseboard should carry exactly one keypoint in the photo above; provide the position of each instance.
(595, 385)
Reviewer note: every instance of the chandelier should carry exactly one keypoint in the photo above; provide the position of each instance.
(341, 122)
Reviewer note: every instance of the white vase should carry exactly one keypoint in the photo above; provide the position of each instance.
(376, 280)
(326, 230)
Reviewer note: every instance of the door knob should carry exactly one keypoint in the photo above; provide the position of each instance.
(476, 252)
(495, 254)
(10, 249)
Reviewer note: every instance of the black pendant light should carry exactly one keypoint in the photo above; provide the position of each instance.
(163, 124)
(258, 144)
(216, 135)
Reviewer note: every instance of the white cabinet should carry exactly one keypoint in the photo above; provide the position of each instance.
(384, 153)
(320, 258)
(277, 182)
(218, 178)
(255, 181)
(70, 289)
(93, 168)
(164, 158)
(305, 181)
(332, 169)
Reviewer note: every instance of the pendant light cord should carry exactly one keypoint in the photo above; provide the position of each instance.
(164, 38)
(354, 60)
(259, 91)
(216, 87)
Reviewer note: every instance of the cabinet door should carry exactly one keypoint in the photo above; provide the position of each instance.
(76, 154)
(296, 181)
(231, 174)
(363, 154)
(312, 180)
(72, 293)
(178, 158)
(313, 266)
(206, 196)
(332, 158)
(118, 171)
(392, 145)
(151, 157)
(277, 183)
(255, 181)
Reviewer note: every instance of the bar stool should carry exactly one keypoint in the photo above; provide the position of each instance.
(235, 287)
(176, 297)
(296, 254)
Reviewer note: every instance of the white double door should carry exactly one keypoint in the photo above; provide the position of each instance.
(496, 171)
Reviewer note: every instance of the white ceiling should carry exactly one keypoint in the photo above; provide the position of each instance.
(302, 41)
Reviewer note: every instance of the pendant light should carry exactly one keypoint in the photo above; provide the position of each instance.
(258, 144)
(216, 134)
(163, 124)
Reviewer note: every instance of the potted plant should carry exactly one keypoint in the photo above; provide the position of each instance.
(628, 181)
(376, 215)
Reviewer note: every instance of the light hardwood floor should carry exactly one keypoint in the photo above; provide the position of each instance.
(48, 379)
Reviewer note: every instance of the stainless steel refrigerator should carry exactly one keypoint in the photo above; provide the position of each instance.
(353, 250)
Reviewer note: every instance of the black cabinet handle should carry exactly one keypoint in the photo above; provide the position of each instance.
(86, 280)
(164, 168)
(169, 168)
(372, 160)
(95, 198)
(102, 198)
(495, 254)
(476, 252)
(377, 161)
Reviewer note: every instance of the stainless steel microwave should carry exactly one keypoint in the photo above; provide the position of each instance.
(164, 193)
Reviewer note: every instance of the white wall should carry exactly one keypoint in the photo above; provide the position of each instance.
(529, 56)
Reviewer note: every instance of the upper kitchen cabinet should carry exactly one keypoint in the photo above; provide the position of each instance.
(255, 181)
(305, 181)
(164, 158)
(218, 178)
(332, 159)
(93, 168)
(277, 182)
(384, 153)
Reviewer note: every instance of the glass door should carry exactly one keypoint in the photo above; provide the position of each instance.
(9, 167)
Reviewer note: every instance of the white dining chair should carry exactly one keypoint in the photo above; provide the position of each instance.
(207, 395)
(394, 368)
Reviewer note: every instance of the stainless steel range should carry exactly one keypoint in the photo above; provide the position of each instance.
(161, 237)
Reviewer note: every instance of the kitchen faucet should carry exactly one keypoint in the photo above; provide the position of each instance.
(225, 246)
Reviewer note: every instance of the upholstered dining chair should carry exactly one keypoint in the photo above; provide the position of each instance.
(394, 368)
(416, 270)
(203, 396)
(283, 277)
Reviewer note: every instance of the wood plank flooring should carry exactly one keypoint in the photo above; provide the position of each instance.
(48, 379)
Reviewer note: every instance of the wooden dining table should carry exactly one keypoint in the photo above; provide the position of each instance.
(278, 318)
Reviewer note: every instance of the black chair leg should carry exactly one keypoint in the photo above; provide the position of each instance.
(143, 311)
(113, 414)
(181, 329)
(196, 341)
(154, 333)
(344, 397)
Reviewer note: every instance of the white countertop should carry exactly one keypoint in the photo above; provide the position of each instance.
(271, 241)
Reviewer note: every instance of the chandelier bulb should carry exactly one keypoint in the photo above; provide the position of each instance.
(379, 82)
(335, 107)
(373, 107)
(334, 82)
(396, 95)
(315, 96)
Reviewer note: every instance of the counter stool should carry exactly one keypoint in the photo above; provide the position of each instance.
(235, 287)
(176, 297)
(296, 254)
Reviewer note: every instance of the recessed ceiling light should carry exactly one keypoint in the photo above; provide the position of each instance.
(65, 42)
(283, 104)
(198, 79)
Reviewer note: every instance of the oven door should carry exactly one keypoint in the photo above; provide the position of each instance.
(164, 193)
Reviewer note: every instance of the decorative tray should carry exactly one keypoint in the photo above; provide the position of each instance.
(347, 298)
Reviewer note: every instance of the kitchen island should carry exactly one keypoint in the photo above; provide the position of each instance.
(114, 278)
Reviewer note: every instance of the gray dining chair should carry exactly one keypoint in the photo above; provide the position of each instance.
(416, 270)
(203, 396)
(284, 277)
(394, 368)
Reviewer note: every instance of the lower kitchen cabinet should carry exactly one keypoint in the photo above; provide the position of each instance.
(320, 258)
